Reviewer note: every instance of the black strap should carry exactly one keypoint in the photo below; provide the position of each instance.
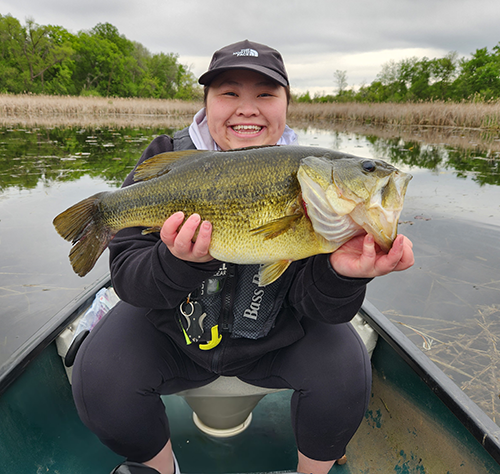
(182, 140)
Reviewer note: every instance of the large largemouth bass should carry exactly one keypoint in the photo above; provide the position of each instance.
(267, 205)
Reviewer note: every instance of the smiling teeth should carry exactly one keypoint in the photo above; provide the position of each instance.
(250, 128)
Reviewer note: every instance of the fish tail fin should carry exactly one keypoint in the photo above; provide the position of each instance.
(82, 225)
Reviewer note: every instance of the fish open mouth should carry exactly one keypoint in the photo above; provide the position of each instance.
(381, 216)
(342, 202)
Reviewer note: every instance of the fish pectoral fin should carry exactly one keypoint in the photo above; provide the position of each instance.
(277, 227)
(150, 230)
(161, 164)
(272, 271)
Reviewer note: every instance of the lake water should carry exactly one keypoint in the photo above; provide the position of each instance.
(448, 303)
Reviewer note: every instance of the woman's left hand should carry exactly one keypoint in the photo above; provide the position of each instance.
(361, 257)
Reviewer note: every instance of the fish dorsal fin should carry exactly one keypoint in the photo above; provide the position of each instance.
(272, 271)
(161, 164)
(277, 227)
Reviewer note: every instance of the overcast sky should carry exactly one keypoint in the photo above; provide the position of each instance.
(315, 37)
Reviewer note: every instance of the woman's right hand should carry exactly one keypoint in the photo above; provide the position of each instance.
(180, 241)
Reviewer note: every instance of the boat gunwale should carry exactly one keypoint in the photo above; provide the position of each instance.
(15, 365)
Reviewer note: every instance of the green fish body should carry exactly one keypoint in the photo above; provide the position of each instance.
(267, 205)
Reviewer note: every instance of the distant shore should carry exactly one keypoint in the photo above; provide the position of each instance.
(465, 124)
(57, 111)
(438, 114)
(485, 116)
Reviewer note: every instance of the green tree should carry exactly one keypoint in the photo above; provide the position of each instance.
(305, 97)
(101, 67)
(165, 78)
(10, 28)
(37, 51)
(188, 87)
(480, 75)
(412, 79)
(375, 92)
(419, 75)
(101, 61)
(59, 78)
(393, 78)
(443, 74)
(31, 55)
(164, 69)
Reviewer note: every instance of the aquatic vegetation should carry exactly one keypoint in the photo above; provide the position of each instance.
(467, 352)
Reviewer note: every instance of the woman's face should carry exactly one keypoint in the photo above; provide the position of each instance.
(245, 108)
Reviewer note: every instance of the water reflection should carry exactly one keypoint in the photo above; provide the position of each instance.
(448, 303)
(28, 157)
(481, 165)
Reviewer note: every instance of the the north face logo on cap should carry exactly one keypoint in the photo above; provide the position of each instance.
(246, 52)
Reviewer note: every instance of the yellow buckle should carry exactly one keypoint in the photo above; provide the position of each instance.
(216, 338)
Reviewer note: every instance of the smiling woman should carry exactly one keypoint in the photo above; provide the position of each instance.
(448, 184)
(287, 343)
(246, 97)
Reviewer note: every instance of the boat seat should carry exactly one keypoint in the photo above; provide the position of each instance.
(224, 407)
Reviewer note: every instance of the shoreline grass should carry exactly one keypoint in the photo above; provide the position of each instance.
(56, 111)
(485, 116)
(468, 125)
(436, 114)
(40, 105)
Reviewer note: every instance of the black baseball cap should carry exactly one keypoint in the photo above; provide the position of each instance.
(247, 55)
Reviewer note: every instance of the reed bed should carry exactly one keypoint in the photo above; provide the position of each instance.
(434, 114)
(470, 139)
(468, 125)
(40, 105)
(53, 111)
(93, 122)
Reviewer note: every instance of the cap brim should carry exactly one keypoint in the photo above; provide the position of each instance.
(208, 77)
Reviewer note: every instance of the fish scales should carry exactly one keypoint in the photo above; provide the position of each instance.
(254, 193)
(252, 197)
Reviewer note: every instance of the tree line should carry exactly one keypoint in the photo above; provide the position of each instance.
(49, 59)
(100, 62)
(422, 79)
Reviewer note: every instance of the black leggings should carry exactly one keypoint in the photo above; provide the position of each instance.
(125, 364)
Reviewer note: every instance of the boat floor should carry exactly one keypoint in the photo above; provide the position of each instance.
(405, 431)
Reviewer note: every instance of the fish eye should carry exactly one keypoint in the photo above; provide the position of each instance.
(368, 166)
